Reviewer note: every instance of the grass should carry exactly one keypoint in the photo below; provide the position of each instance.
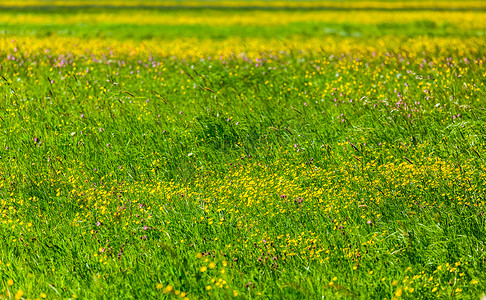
(242, 160)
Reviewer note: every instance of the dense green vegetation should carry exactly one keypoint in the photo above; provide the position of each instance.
(209, 154)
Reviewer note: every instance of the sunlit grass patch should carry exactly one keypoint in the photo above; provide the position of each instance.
(305, 165)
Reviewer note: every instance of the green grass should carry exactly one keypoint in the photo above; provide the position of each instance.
(314, 29)
(310, 174)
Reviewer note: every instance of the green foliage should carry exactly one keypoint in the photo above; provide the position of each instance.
(290, 174)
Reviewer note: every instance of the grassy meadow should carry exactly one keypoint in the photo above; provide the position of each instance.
(242, 149)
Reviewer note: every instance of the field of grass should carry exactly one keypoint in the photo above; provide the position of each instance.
(247, 153)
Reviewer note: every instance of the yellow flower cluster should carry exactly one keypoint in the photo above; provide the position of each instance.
(195, 49)
(468, 20)
(255, 3)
